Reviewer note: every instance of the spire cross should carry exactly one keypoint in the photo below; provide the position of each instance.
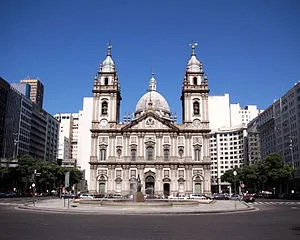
(193, 45)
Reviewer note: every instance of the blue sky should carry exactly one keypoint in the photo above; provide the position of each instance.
(249, 49)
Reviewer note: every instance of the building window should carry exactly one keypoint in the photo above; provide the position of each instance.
(181, 187)
(118, 173)
(195, 81)
(166, 173)
(133, 154)
(118, 186)
(197, 153)
(181, 173)
(119, 152)
(104, 108)
(166, 154)
(133, 173)
(150, 153)
(102, 154)
(105, 81)
(196, 108)
(180, 152)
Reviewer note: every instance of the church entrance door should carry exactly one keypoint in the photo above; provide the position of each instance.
(198, 188)
(102, 188)
(149, 185)
(166, 189)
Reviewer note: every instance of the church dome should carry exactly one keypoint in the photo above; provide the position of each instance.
(154, 101)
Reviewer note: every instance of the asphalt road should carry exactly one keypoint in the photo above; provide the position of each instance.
(271, 222)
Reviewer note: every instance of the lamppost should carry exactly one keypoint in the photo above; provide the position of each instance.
(292, 152)
(16, 141)
(234, 174)
(35, 174)
(293, 164)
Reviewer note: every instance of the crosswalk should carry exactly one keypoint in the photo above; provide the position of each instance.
(275, 203)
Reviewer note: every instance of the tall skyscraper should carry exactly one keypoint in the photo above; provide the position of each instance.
(36, 90)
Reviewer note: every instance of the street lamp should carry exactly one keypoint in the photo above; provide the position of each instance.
(16, 141)
(292, 153)
(293, 164)
(234, 174)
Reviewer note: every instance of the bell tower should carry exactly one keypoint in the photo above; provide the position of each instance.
(195, 91)
(106, 94)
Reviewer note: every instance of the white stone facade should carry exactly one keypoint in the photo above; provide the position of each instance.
(166, 156)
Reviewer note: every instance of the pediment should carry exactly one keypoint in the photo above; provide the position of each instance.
(150, 122)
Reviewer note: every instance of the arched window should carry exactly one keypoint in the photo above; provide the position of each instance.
(180, 152)
(133, 154)
(166, 154)
(195, 82)
(150, 153)
(197, 153)
(119, 152)
(104, 108)
(196, 108)
(105, 81)
(102, 154)
(118, 185)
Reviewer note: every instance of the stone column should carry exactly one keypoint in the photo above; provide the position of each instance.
(126, 145)
(126, 184)
(174, 185)
(158, 180)
(111, 179)
(142, 177)
(159, 144)
(94, 141)
(189, 179)
(93, 180)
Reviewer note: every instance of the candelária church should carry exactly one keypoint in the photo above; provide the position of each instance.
(168, 157)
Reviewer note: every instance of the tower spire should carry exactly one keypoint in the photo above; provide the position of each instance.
(109, 47)
(193, 45)
(152, 83)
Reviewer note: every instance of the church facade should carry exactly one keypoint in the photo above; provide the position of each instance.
(167, 157)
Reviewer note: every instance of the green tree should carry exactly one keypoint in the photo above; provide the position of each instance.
(49, 176)
(276, 171)
(228, 176)
(271, 173)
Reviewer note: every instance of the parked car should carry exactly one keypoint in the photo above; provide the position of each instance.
(116, 195)
(235, 197)
(68, 195)
(219, 196)
(197, 196)
(172, 196)
(100, 195)
(183, 196)
(85, 196)
(248, 198)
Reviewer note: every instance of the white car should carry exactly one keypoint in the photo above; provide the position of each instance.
(85, 196)
(172, 196)
(178, 196)
(182, 196)
(197, 196)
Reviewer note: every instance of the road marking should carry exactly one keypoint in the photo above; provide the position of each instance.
(275, 203)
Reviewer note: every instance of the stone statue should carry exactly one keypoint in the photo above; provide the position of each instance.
(139, 195)
(139, 185)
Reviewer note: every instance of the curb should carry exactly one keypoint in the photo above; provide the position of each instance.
(130, 212)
